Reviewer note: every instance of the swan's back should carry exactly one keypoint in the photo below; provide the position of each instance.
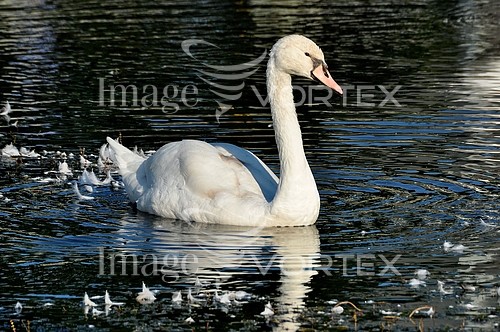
(194, 180)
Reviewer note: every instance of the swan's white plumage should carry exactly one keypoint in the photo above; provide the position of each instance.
(222, 183)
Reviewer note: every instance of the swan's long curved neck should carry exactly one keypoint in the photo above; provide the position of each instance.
(297, 195)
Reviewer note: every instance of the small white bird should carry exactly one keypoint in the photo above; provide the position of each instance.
(268, 310)
(189, 320)
(88, 302)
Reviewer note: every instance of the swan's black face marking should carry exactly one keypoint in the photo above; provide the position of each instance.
(316, 64)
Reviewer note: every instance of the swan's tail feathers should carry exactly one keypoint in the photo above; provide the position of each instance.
(124, 158)
(129, 164)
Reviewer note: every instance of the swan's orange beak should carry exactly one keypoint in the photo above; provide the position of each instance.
(321, 74)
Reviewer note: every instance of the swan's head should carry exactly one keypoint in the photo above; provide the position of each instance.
(298, 55)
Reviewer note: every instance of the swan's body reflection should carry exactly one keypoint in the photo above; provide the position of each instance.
(218, 253)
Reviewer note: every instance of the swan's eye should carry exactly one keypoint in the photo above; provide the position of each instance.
(307, 54)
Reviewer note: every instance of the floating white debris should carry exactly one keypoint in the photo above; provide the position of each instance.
(108, 180)
(338, 310)
(108, 302)
(268, 310)
(470, 306)
(146, 296)
(422, 274)
(77, 192)
(442, 290)
(117, 184)
(89, 178)
(216, 296)
(177, 297)
(64, 168)
(190, 297)
(6, 109)
(29, 154)
(18, 308)
(88, 302)
(139, 152)
(88, 188)
(390, 313)
(224, 299)
(198, 283)
(104, 155)
(415, 283)
(429, 312)
(84, 163)
(189, 320)
(96, 312)
(468, 288)
(448, 246)
(10, 151)
(5, 199)
(485, 224)
(458, 248)
(5, 112)
(241, 295)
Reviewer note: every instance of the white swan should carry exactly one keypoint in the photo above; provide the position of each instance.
(224, 184)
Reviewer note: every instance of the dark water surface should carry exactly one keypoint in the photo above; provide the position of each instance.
(398, 176)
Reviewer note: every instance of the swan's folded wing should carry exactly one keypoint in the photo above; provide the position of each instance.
(266, 179)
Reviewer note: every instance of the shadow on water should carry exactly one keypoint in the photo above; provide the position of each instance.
(398, 177)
